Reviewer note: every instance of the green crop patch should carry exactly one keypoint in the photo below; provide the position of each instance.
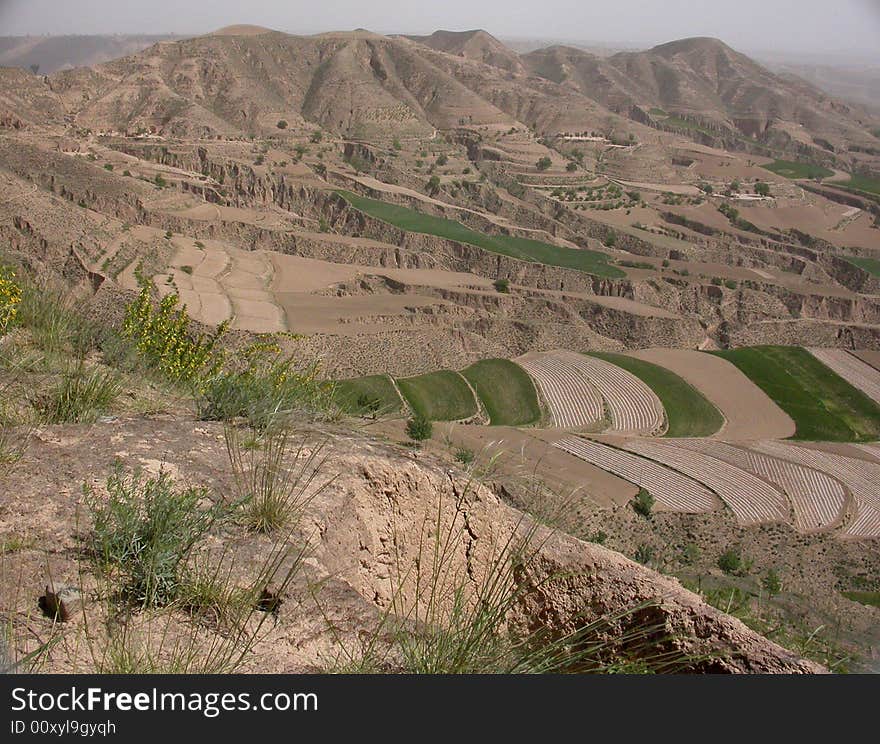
(871, 265)
(863, 183)
(871, 599)
(524, 249)
(439, 396)
(793, 169)
(374, 394)
(822, 404)
(688, 411)
(506, 391)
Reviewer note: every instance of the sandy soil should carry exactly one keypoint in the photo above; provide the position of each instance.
(748, 412)
(869, 357)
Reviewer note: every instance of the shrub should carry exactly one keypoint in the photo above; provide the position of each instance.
(282, 124)
(502, 285)
(10, 299)
(465, 456)
(762, 189)
(145, 531)
(159, 181)
(571, 166)
(441, 160)
(543, 163)
(266, 388)
(108, 166)
(599, 537)
(643, 503)
(419, 428)
(162, 336)
(644, 554)
(731, 562)
(610, 238)
(771, 583)
(730, 283)
(316, 137)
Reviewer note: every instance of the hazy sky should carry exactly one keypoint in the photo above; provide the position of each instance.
(849, 26)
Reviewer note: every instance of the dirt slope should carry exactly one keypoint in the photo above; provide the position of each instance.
(378, 493)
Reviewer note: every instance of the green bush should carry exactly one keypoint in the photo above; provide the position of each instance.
(465, 456)
(145, 531)
(731, 562)
(282, 124)
(418, 428)
(502, 285)
(543, 163)
(771, 583)
(267, 388)
(643, 503)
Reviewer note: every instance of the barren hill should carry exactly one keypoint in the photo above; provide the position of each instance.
(53, 53)
(710, 85)
(477, 45)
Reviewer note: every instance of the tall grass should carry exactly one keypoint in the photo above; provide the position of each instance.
(80, 396)
(275, 475)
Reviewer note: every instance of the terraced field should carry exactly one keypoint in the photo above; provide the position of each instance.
(577, 387)
(506, 392)
(689, 413)
(823, 405)
(372, 394)
(671, 489)
(439, 396)
(862, 478)
(853, 370)
(572, 398)
(818, 500)
(524, 249)
(751, 499)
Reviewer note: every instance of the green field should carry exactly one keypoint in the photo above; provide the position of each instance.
(689, 413)
(871, 265)
(439, 396)
(872, 599)
(363, 395)
(822, 405)
(534, 251)
(506, 391)
(863, 183)
(792, 169)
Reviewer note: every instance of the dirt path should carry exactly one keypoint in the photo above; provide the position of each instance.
(748, 412)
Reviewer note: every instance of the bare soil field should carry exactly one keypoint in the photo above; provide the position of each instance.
(748, 412)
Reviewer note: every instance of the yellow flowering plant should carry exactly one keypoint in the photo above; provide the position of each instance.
(10, 299)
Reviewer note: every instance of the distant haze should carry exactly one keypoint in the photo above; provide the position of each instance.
(849, 28)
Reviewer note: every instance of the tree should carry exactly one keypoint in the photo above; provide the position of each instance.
(418, 428)
(316, 136)
(762, 189)
(282, 124)
(771, 582)
(571, 167)
(502, 285)
(544, 163)
(442, 160)
(433, 185)
(706, 188)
